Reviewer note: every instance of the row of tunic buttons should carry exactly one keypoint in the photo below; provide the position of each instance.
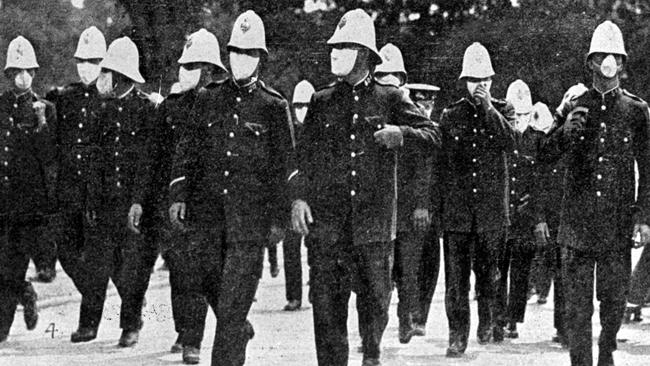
(353, 137)
(231, 135)
(6, 149)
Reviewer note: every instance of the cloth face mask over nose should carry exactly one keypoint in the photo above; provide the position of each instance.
(88, 72)
(343, 60)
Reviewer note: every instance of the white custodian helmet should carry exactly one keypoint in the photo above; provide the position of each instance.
(91, 45)
(21, 55)
(392, 61)
(476, 62)
(202, 46)
(248, 33)
(357, 27)
(302, 92)
(123, 57)
(519, 95)
(542, 119)
(607, 38)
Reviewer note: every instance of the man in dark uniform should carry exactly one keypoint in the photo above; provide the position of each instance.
(201, 66)
(27, 174)
(601, 133)
(78, 136)
(126, 167)
(229, 187)
(347, 174)
(525, 211)
(429, 261)
(477, 133)
(302, 94)
(413, 188)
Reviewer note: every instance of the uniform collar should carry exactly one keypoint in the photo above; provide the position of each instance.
(126, 93)
(247, 86)
(22, 96)
(609, 93)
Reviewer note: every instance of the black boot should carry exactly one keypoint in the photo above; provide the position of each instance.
(30, 309)
(83, 334)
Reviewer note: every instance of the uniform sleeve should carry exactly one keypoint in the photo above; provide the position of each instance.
(301, 172)
(502, 124)
(48, 154)
(413, 123)
(555, 144)
(144, 186)
(282, 159)
(185, 157)
(641, 147)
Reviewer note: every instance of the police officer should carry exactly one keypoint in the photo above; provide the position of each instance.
(414, 181)
(525, 212)
(78, 137)
(429, 262)
(477, 132)
(126, 255)
(601, 133)
(27, 172)
(200, 66)
(229, 186)
(347, 180)
(302, 94)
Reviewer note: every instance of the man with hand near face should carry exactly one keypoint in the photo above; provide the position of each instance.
(601, 133)
(229, 189)
(478, 131)
(27, 176)
(345, 191)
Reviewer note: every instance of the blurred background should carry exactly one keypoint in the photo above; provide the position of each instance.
(543, 42)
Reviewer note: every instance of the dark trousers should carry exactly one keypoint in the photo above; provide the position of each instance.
(559, 298)
(17, 243)
(189, 306)
(515, 265)
(227, 274)
(292, 266)
(93, 255)
(640, 282)
(427, 276)
(612, 281)
(543, 269)
(458, 264)
(44, 253)
(337, 266)
(412, 274)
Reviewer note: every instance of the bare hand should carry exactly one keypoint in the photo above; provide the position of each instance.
(177, 214)
(642, 231)
(300, 217)
(483, 95)
(542, 234)
(135, 213)
(276, 235)
(421, 219)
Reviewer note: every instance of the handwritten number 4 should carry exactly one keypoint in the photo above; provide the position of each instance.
(51, 329)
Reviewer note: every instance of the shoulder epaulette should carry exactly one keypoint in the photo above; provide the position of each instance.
(270, 90)
(632, 96)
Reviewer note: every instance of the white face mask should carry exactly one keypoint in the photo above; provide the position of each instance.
(343, 60)
(389, 79)
(88, 72)
(471, 86)
(243, 66)
(23, 80)
(105, 83)
(188, 79)
(301, 113)
(609, 67)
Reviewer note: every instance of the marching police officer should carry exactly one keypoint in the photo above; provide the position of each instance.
(601, 133)
(429, 262)
(128, 143)
(27, 173)
(347, 180)
(414, 182)
(78, 135)
(525, 213)
(302, 94)
(229, 186)
(477, 132)
(200, 66)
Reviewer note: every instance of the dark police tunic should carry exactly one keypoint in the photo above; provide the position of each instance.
(599, 209)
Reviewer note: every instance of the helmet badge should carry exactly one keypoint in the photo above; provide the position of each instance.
(342, 22)
(245, 26)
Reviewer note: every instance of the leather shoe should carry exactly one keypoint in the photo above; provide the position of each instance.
(275, 270)
(419, 330)
(605, 359)
(292, 305)
(46, 275)
(561, 339)
(191, 355)
(83, 335)
(405, 331)
(484, 335)
(541, 300)
(456, 349)
(129, 338)
(497, 334)
(177, 347)
(511, 331)
(370, 362)
(249, 330)
(30, 310)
